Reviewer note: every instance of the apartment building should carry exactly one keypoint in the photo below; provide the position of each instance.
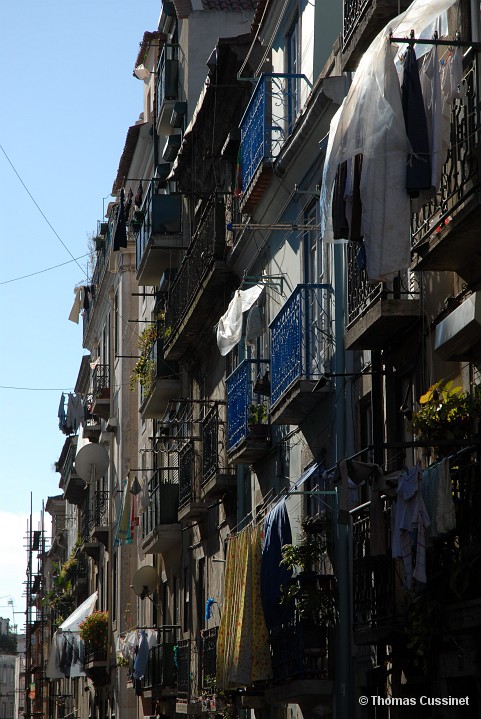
(257, 374)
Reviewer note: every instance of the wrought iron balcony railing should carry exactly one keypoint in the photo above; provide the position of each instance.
(207, 246)
(187, 489)
(244, 406)
(213, 444)
(161, 671)
(101, 381)
(99, 271)
(460, 176)
(362, 294)
(353, 13)
(269, 119)
(163, 500)
(373, 585)
(300, 653)
(184, 688)
(301, 338)
(96, 514)
(209, 657)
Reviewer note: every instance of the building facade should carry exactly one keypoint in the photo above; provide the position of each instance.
(282, 349)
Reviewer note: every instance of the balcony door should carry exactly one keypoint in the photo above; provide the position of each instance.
(293, 63)
(315, 300)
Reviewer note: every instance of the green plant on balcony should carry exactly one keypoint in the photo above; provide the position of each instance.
(446, 412)
(144, 369)
(312, 594)
(94, 631)
(257, 420)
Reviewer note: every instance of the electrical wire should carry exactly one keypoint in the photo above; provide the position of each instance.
(47, 269)
(40, 209)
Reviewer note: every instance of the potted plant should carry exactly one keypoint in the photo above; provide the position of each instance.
(257, 420)
(94, 633)
(312, 593)
(446, 412)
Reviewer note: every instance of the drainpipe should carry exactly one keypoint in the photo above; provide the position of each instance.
(343, 653)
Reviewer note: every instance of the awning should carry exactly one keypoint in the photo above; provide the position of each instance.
(66, 653)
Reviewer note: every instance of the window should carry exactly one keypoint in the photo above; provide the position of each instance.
(293, 65)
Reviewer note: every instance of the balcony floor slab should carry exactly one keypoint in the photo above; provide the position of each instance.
(384, 320)
(162, 538)
(297, 402)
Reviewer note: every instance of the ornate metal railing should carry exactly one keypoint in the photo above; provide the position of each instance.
(183, 669)
(301, 338)
(213, 443)
(353, 12)
(186, 475)
(163, 502)
(296, 653)
(269, 119)
(101, 381)
(243, 404)
(373, 598)
(161, 671)
(209, 657)
(460, 176)
(362, 294)
(207, 245)
(96, 514)
(99, 271)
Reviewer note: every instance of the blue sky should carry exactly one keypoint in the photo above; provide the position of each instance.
(67, 98)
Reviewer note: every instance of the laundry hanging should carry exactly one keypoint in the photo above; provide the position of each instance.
(243, 654)
(229, 329)
(370, 122)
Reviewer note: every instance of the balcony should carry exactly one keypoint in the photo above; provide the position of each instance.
(378, 314)
(161, 674)
(167, 87)
(301, 348)
(160, 528)
(302, 665)
(184, 704)
(106, 230)
(216, 479)
(248, 434)
(96, 666)
(190, 505)
(159, 234)
(80, 579)
(101, 391)
(201, 282)
(209, 657)
(165, 383)
(94, 526)
(373, 584)
(267, 123)
(445, 233)
(73, 485)
(363, 20)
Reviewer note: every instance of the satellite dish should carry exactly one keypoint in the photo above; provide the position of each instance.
(91, 458)
(145, 581)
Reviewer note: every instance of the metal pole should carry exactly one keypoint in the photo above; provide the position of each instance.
(343, 654)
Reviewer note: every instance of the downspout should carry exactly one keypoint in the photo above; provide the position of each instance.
(343, 653)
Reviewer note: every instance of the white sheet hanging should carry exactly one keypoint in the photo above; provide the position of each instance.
(229, 329)
(370, 121)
